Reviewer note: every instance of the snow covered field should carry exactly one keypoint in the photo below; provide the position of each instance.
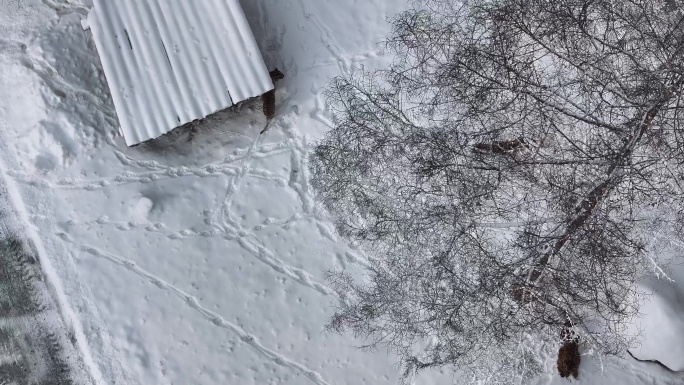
(199, 258)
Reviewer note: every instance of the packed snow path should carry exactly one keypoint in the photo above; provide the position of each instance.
(198, 258)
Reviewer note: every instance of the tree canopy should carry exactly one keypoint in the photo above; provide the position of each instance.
(507, 174)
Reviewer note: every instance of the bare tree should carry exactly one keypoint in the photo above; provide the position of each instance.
(504, 174)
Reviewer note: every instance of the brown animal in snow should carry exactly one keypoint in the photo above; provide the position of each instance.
(568, 355)
(268, 99)
(499, 147)
(276, 75)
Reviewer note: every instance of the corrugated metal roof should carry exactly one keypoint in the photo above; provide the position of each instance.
(169, 62)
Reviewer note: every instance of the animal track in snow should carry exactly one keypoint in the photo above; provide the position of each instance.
(245, 238)
(210, 316)
(327, 39)
(284, 223)
(260, 152)
(236, 183)
(353, 59)
(128, 177)
(320, 112)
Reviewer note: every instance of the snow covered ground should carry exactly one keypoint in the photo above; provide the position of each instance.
(199, 258)
(662, 324)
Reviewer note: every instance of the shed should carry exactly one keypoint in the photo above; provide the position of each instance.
(169, 62)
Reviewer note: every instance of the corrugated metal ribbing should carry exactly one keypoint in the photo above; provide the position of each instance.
(169, 62)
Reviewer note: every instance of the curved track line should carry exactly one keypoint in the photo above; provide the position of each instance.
(262, 152)
(234, 188)
(245, 238)
(127, 177)
(210, 316)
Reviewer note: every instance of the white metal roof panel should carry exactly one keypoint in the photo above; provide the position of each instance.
(169, 62)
